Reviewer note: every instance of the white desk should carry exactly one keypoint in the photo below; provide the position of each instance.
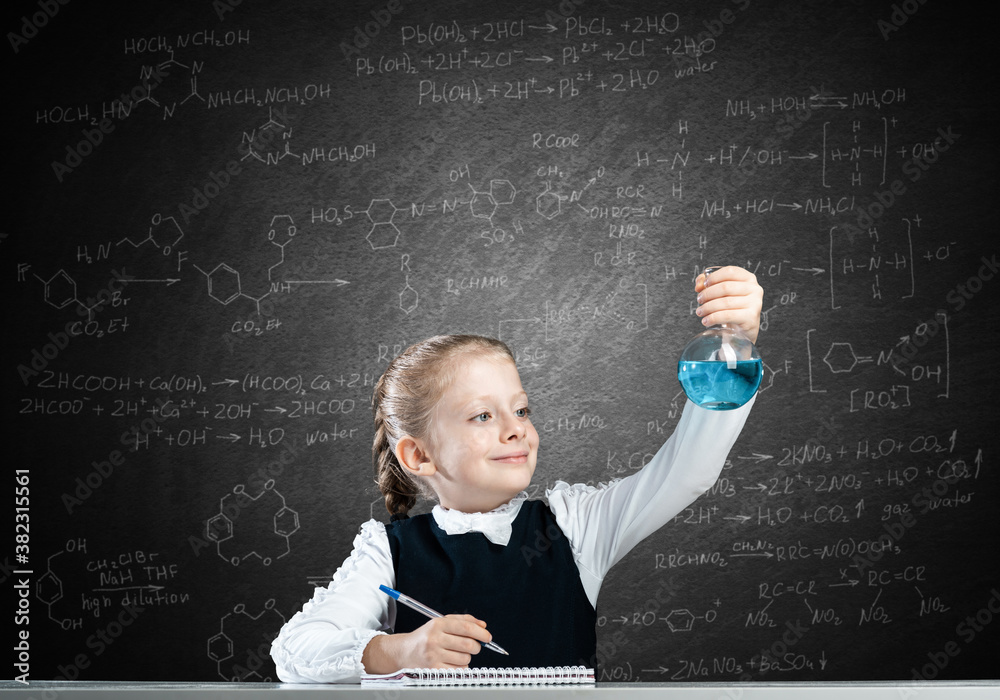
(92, 690)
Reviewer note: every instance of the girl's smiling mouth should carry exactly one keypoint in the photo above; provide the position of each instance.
(512, 458)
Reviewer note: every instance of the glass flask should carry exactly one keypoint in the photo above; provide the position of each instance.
(720, 369)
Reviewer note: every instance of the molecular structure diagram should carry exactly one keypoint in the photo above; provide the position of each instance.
(549, 204)
(164, 233)
(224, 282)
(678, 620)
(156, 78)
(265, 514)
(484, 205)
(682, 620)
(768, 379)
(408, 298)
(49, 588)
(383, 233)
(241, 630)
(193, 69)
(60, 292)
(629, 305)
(841, 358)
(260, 140)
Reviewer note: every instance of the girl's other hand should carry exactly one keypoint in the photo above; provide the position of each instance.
(733, 297)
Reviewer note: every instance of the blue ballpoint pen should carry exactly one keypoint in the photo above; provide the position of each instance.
(424, 610)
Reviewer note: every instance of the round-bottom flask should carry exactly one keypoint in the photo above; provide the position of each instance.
(720, 369)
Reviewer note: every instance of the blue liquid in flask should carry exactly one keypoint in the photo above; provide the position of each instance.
(718, 385)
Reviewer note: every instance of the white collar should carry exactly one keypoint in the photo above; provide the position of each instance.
(494, 524)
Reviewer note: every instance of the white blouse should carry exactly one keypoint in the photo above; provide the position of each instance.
(323, 643)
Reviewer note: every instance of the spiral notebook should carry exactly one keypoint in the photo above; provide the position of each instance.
(482, 676)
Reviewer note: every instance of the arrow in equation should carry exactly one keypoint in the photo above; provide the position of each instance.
(124, 278)
(169, 281)
(131, 588)
(823, 101)
(339, 283)
(757, 457)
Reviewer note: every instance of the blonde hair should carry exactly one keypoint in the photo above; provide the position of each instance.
(402, 402)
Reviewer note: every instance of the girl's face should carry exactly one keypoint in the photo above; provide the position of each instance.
(481, 441)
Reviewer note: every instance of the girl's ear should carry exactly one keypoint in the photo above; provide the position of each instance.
(413, 457)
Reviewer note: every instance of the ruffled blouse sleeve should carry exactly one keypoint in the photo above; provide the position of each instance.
(323, 643)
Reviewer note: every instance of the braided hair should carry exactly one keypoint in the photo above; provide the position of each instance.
(402, 402)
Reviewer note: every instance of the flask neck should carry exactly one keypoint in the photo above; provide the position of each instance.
(728, 327)
(730, 330)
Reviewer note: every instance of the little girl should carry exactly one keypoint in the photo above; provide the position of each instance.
(452, 422)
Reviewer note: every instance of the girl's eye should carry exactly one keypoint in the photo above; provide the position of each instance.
(523, 412)
(482, 417)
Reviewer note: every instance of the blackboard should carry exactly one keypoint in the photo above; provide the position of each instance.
(225, 218)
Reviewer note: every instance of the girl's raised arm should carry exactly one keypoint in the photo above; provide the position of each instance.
(603, 524)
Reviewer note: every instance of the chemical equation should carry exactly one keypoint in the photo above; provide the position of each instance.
(78, 586)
